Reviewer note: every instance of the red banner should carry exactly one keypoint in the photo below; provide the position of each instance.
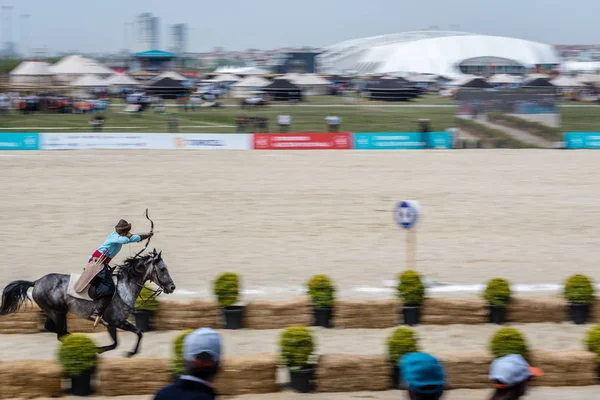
(302, 141)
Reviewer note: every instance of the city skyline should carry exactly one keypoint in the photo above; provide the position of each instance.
(269, 24)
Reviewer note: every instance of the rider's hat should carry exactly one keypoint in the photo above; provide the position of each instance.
(123, 226)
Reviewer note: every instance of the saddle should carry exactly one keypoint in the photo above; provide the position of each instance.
(85, 293)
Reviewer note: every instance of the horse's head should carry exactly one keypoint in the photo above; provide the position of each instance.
(157, 272)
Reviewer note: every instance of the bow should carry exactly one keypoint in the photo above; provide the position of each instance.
(150, 238)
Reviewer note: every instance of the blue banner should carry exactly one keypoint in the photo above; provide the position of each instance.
(582, 140)
(440, 140)
(403, 140)
(19, 141)
(389, 141)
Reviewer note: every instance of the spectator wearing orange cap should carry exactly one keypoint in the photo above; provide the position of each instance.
(511, 375)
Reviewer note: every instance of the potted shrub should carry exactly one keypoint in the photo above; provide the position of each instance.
(579, 293)
(178, 366)
(412, 293)
(402, 341)
(497, 294)
(78, 357)
(296, 348)
(145, 307)
(509, 341)
(321, 291)
(226, 288)
(592, 342)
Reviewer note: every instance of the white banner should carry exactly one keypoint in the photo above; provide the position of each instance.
(81, 141)
(211, 141)
(161, 141)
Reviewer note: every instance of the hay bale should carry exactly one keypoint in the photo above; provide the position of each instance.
(270, 315)
(536, 309)
(366, 314)
(252, 374)
(595, 311)
(25, 321)
(132, 376)
(466, 370)
(353, 373)
(565, 368)
(30, 379)
(448, 311)
(179, 316)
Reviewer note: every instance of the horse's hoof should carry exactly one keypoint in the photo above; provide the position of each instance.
(129, 354)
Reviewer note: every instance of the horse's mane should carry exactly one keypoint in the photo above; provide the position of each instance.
(130, 267)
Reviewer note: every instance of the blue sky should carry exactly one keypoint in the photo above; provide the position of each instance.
(97, 26)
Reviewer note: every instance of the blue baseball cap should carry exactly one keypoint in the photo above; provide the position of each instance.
(422, 373)
(511, 370)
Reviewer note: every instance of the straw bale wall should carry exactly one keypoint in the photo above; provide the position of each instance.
(353, 373)
(276, 315)
(449, 311)
(366, 314)
(29, 379)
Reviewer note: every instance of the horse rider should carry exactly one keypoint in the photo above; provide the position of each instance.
(98, 271)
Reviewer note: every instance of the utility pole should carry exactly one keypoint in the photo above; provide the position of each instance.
(25, 35)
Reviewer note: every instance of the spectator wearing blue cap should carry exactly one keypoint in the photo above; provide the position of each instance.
(202, 355)
(511, 375)
(423, 375)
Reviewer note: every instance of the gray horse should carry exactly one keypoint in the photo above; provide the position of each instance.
(51, 294)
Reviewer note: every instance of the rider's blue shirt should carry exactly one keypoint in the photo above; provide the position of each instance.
(113, 243)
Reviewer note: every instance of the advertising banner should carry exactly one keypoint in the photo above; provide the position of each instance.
(211, 141)
(389, 141)
(82, 141)
(582, 140)
(302, 141)
(439, 140)
(19, 141)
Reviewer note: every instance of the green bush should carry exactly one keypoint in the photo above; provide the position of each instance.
(178, 366)
(77, 354)
(296, 347)
(402, 341)
(592, 341)
(495, 137)
(322, 291)
(579, 290)
(145, 301)
(226, 287)
(497, 292)
(410, 288)
(509, 341)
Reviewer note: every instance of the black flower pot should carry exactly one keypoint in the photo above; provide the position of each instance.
(82, 385)
(497, 314)
(302, 380)
(411, 315)
(322, 317)
(579, 313)
(234, 317)
(143, 320)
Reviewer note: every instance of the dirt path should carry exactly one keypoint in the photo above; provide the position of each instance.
(434, 339)
(516, 133)
(279, 217)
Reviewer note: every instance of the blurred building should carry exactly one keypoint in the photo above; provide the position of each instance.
(148, 32)
(179, 38)
(303, 62)
(442, 53)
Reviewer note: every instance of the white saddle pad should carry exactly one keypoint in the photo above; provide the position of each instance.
(84, 295)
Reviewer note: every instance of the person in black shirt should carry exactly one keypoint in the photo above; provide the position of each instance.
(202, 355)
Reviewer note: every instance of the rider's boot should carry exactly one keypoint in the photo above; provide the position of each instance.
(98, 312)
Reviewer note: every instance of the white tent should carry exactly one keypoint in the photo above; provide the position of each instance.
(89, 81)
(589, 78)
(227, 78)
(423, 78)
(566, 82)
(245, 87)
(311, 84)
(504, 79)
(241, 70)
(73, 67)
(32, 73)
(121, 80)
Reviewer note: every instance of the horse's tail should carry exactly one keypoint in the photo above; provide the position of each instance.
(13, 296)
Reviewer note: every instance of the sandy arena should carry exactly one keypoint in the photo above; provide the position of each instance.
(277, 218)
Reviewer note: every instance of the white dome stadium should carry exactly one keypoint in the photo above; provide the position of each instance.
(442, 53)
